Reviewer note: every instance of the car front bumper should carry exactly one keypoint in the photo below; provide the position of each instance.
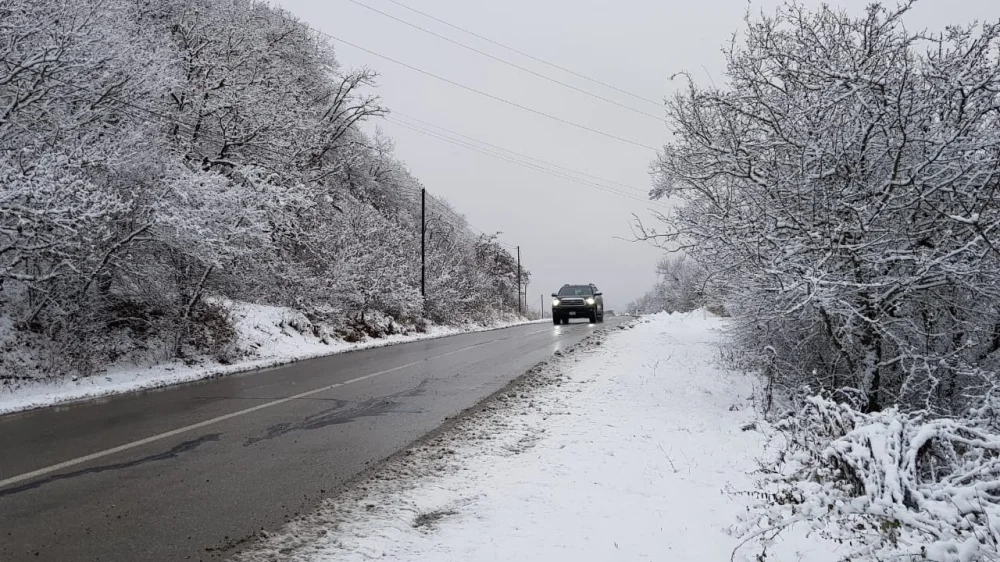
(574, 311)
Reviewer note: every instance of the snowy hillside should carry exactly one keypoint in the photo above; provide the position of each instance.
(156, 157)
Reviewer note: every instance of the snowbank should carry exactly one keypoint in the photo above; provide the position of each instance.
(621, 449)
(267, 336)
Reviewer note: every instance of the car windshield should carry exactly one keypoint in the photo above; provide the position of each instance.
(576, 291)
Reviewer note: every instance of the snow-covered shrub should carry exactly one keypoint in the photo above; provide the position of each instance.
(886, 485)
(682, 287)
(684, 283)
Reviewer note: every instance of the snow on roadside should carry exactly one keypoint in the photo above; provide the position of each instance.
(270, 335)
(622, 449)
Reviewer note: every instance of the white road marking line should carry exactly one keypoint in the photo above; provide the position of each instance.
(215, 420)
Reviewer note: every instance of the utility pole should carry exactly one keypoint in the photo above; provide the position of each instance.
(500, 294)
(423, 242)
(520, 309)
(541, 305)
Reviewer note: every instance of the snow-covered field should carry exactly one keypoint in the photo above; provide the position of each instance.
(267, 336)
(629, 447)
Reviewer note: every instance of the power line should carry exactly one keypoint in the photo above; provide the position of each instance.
(488, 95)
(506, 158)
(415, 193)
(523, 54)
(518, 154)
(506, 62)
(442, 208)
(457, 142)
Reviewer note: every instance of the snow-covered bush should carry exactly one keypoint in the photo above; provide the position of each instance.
(885, 485)
(682, 287)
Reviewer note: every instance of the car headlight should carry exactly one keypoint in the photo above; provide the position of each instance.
(555, 302)
(591, 301)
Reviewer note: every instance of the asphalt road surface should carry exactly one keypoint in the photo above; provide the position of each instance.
(191, 472)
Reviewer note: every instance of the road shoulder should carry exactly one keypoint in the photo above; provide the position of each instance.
(630, 446)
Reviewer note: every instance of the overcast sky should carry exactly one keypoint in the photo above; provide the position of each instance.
(568, 232)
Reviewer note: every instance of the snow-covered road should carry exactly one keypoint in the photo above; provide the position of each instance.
(625, 449)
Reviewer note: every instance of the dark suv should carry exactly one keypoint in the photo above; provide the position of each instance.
(577, 301)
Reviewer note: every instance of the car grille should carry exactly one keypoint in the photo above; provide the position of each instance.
(571, 302)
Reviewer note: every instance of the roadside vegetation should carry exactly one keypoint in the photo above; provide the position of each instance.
(840, 195)
(159, 160)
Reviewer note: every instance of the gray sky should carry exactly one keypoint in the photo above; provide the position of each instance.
(568, 232)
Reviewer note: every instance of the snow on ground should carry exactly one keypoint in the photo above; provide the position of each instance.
(628, 447)
(268, 335)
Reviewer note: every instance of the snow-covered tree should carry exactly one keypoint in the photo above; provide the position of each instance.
(843, 187)
(156, 156)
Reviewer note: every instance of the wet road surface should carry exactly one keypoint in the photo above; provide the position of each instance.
(193, 471)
